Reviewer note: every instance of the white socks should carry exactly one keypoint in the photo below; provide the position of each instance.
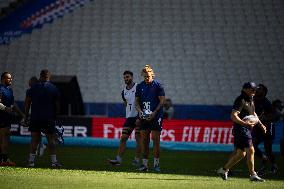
(156, 162)
(145, 162)
(53, 158)
(118, 158)
(32, 157)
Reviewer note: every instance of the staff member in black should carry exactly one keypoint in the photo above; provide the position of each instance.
(243, 106)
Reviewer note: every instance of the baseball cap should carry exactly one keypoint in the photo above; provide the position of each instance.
(250, 85)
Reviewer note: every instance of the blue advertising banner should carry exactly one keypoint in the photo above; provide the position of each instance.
(34, 14)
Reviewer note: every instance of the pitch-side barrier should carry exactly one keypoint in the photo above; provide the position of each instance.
(113, 143)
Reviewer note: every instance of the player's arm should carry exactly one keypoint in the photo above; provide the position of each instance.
(5, 108)
(57, 108)
(237, 108)
(28, 102)
(18, 110)
(123, 98)
(236, 119)
(137, 106)
(125, 103)
(160, 105)
(260, 124)
(137, 101)
(57, 103)
(161, 97)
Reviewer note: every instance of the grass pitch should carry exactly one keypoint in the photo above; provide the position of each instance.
(88, 168)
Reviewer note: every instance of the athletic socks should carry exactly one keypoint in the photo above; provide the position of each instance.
(32, 157)
(53, 158)
(4, 157)
(156, 162)
(118, 158)
(145, 162)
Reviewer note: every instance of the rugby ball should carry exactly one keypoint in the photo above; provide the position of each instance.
(251, 119)
(146, 114)
(2, 106)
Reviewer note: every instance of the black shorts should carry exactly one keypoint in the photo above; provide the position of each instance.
(154, 125)
(42, 126)
(129, 125)
(5, 121)
(5, 125)
(241, 142)
(130, 122)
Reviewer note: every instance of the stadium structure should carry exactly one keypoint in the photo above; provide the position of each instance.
(201, 50)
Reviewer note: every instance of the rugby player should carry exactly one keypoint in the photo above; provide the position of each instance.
(150, 96)
(7, 107)
(131, 122)
(43, 99)
(41, 147)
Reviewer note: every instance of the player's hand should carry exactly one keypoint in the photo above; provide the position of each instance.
(249, 125)
(141, 114)
(152, 116)
(8, 109)
(23, 122)
(263, 128)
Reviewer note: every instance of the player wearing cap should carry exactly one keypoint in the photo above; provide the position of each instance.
(243, 106)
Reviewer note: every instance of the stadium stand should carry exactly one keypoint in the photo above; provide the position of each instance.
(5, 3)
(202, 50)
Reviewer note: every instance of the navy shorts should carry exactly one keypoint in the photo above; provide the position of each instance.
(5, 125)
(154, 125)
(42, 126)
(5, 120)
(241, 142)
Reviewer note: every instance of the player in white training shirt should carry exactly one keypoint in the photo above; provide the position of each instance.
(131, 122)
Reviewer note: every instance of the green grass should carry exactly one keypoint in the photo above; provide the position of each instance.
(88, 168)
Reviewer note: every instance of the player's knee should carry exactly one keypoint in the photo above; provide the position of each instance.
(127, 131)
(156, 139)
(155, 136)
(137, 133)
(251, 150)
(35, 140)
(241, 153)
(124, 138)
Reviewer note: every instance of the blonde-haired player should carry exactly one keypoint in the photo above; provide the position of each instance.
(150, 97)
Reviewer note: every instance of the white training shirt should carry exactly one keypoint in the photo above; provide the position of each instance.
(129, 97)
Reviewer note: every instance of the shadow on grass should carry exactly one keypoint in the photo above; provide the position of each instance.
(172, 162)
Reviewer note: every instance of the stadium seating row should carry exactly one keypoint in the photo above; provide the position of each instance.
(201, 50)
